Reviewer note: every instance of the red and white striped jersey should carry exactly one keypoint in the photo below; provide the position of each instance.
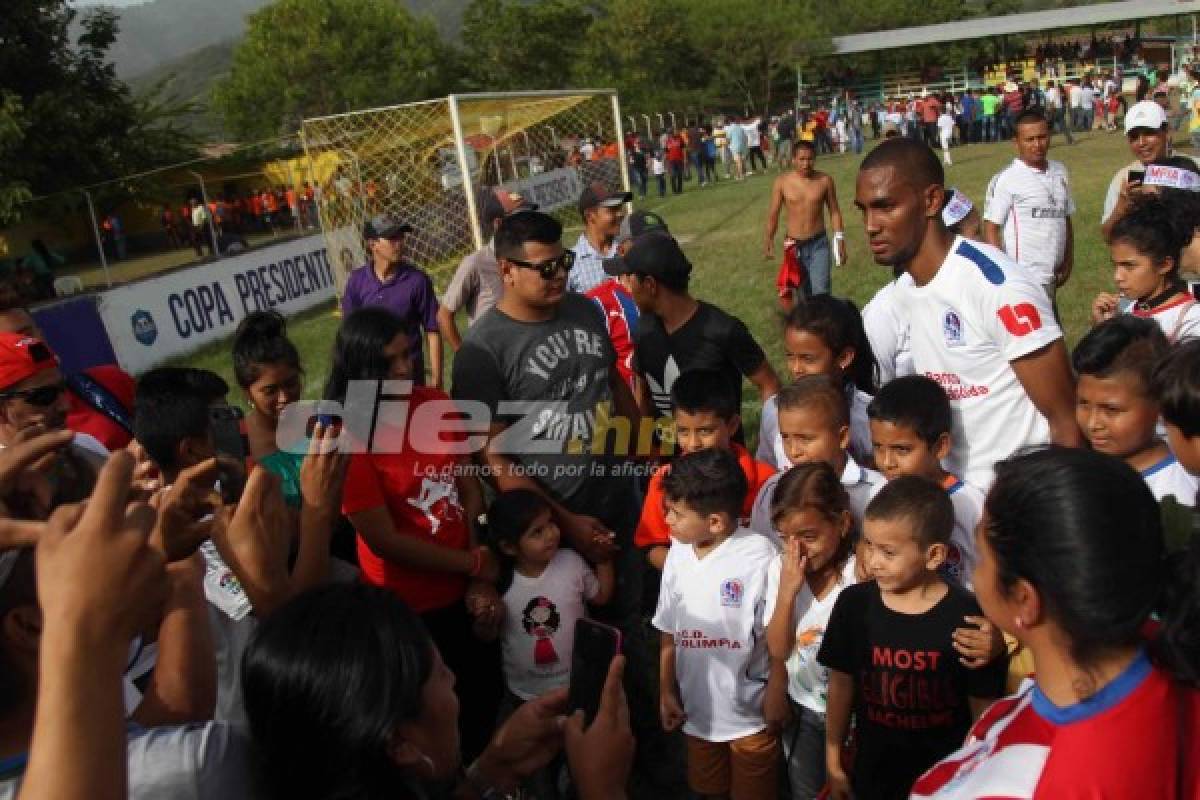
(1135, 738)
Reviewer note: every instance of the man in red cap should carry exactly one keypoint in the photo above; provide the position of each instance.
(33, 399)
(100, 398)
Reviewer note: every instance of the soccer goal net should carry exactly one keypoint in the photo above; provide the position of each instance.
(429, 163)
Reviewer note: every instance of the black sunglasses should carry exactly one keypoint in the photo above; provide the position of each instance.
(41, 396)
(548, 269)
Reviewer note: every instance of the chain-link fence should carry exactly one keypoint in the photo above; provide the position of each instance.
(428, 163)
(136, 226)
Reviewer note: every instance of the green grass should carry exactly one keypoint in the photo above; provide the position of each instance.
(721, 229)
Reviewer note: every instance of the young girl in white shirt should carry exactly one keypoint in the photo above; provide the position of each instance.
(1146, 244)
(812, 514)
(824, 335)
(545, 590)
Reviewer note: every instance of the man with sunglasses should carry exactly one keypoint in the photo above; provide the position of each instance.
(33, 400)
(391, 281)
(541, 369)
(476, 283)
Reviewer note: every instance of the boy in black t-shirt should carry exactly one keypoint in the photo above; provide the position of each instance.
(890, 653)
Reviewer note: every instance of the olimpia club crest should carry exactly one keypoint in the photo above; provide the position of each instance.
(144, 329)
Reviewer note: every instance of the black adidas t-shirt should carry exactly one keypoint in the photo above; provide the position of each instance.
(711, 339)
(911, 690)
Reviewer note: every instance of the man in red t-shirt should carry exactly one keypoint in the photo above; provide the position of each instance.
(931, 109)
(675, 159)
(1011, 105)
(705, 412)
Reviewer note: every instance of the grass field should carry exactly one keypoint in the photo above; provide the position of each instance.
(721, 230)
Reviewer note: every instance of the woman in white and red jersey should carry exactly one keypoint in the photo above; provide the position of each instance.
(1072, 563)
(1146, 245)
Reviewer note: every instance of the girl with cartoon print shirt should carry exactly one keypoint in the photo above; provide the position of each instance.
(547, 588)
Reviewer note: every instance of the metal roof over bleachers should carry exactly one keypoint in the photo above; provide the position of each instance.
(984, 27)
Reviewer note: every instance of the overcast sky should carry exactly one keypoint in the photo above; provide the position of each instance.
(107, 2)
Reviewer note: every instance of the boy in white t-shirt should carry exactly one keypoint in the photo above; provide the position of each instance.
(911, 426)
(713, 654)
(814, 423)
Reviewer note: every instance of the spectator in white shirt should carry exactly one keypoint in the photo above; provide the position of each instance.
(1075, 97)
(1028, 209)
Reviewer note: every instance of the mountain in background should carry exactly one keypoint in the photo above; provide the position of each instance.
(153, 34)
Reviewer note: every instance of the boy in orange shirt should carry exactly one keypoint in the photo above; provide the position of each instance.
(706, 416)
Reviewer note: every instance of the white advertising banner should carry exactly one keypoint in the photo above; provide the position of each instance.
(159, 318)
(550, 190)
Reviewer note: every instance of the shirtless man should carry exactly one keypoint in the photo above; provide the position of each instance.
(806, 193)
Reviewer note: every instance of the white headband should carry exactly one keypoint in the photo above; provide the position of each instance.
(957, 209)
(1171, 178)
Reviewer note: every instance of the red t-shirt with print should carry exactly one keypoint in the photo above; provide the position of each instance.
(420, 492)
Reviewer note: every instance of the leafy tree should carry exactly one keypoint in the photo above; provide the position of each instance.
(643, 49)
(755, 44)
(65, 118)
(305, 58)
(12, 131)
(510, 45)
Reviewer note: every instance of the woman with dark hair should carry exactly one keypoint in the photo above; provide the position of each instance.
(412, 504)
(267, 367)
(1072, 563)
(348, 697)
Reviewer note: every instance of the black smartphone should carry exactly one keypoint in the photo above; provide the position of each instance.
(596, 644)
(229, 442)
(1137, 175)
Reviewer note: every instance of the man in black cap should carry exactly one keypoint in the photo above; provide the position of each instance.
(677, 333)
(476, 285)
(388, 280)
(602, 210)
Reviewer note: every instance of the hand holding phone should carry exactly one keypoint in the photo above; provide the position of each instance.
(600, 755)
(596, 645)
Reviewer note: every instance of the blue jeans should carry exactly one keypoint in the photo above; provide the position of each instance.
(698, 163)
(856, 139)
(816, 257)
(804, 752)
(639, 179)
